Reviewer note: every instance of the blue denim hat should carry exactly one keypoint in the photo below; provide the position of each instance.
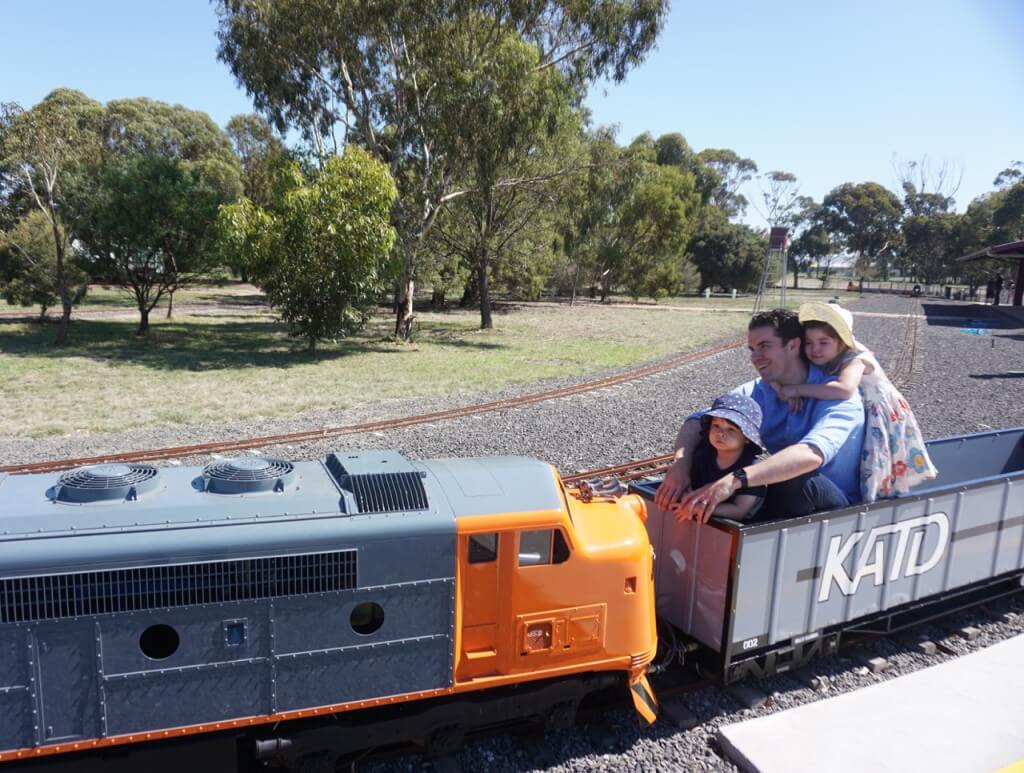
(742, 411)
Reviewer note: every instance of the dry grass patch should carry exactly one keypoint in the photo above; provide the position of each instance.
(199, 369)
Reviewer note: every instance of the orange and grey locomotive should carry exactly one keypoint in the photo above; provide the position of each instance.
(241, 604)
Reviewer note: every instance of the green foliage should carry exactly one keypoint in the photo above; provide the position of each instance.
(814, 245)
(866, 217)
(930, 246)
(1012, 175)
(728, 172)
(1008, 217)
(42, 154)
(134, 127)
(320, 258)
(395, 78)
(728, 255)
(28, 264)
(149, 221)
(266, 162)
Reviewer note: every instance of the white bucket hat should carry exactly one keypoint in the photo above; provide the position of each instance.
(836, 317)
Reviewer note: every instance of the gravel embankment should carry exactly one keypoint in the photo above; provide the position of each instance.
(961, 385)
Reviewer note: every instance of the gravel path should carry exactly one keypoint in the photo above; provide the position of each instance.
(961, 385)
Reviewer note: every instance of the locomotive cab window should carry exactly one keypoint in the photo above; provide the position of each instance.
(483, 548)
(544, 546)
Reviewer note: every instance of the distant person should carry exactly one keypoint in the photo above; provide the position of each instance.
(997, 288)
(730, 440)
(815, 451)
(894, 458)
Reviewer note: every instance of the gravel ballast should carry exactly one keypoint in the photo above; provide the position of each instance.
(961, 384)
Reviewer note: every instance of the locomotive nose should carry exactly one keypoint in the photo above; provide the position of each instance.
(637, 505)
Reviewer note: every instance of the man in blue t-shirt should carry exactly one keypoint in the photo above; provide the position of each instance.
(815, 461)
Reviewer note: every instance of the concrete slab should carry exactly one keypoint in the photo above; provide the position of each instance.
(961, 716)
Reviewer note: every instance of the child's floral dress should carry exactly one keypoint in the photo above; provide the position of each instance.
(894, 458)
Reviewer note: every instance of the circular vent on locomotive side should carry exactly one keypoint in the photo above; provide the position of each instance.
(106, 483)
(248, 475)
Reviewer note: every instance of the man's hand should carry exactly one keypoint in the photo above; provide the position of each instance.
(700, 505)
(675, 484)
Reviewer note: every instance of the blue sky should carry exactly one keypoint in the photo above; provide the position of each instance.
(829, 91)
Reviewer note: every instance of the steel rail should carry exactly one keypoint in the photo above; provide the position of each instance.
(241, 444)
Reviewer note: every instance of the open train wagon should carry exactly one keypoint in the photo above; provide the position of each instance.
(767, 597)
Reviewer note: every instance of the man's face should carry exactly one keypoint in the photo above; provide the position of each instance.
(769, 356)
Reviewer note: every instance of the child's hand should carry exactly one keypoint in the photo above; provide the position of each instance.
(788, 393)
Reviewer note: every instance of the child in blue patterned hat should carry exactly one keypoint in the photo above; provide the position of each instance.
(730, 440)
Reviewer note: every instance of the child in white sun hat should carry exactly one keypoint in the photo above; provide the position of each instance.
(894, 458)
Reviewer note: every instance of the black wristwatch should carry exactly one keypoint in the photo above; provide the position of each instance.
(741, 476)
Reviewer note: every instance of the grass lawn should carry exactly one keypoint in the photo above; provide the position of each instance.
(196, 369)
(746, 302)
(112, 296)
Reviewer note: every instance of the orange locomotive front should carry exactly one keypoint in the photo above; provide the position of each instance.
(553, 592)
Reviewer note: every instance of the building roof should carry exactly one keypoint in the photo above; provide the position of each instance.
(1008, 251)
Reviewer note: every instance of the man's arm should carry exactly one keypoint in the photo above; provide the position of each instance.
(677, 479)
(786, 464)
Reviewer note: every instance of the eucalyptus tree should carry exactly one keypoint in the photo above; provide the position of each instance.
(866, 216)
(149, 218)
(526, 139)
(642, 238)
(28, 263)
(42, 153)
(385, 78)
(733, 172)
(814, 244)
(150, 222)
(728, 255)
(264, 158)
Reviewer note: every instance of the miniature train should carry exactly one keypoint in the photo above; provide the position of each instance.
(234, 601)
(259, 612)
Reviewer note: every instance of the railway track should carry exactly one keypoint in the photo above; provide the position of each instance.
(900, 371)
(242, 444)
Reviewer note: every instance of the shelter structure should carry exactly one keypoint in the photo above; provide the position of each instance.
(1011, 251)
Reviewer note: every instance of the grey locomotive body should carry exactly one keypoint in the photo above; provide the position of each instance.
(268, 605)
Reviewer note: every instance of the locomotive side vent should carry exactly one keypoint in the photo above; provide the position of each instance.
(52, 597)
(388, 492)
(105, 483)
(248, 475)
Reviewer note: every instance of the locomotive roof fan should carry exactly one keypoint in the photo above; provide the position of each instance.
(105, 483)
(248, 476)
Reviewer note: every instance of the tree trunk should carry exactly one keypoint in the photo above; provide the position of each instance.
(143, 321)
(575, 281)
(796, 276)
(65, 320)
(62, 290)
(486, 320)
(605, 288)
(437, 298)
(470, 293)
(170, 303)
(403, 317)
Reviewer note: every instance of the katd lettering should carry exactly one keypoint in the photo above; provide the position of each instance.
(905, 559)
